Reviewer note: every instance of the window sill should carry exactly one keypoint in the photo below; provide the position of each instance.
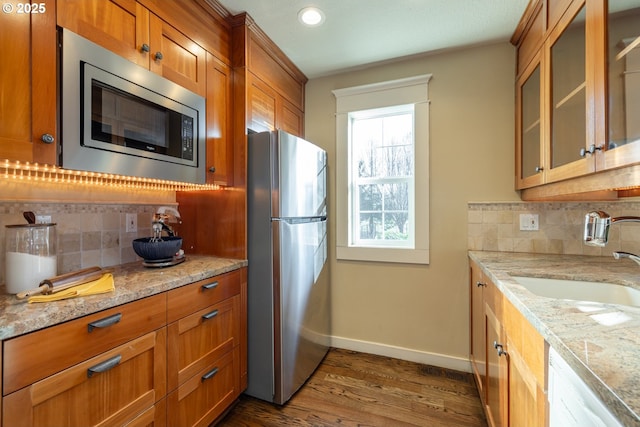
(395, 255)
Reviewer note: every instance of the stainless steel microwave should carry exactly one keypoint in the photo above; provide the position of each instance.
(120, 118)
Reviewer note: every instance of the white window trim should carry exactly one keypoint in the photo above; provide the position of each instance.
(413, 90)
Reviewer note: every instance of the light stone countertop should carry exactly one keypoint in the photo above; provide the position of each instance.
(132, 281)
(607, 358)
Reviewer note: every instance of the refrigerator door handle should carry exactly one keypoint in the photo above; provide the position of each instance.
(300, 220)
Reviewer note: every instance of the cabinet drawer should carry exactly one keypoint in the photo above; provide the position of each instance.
(203, 397)
(199, 339)
(109, 389)
(156, 416)
(32, 357)
(190, 298)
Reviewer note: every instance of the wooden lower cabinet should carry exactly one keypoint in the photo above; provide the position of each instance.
(125, 366)
(204, 373)
(477, 341)
(205, 396)
(113, 388)
(528, 400)
(497, 404)
(514, 392)
(156, 416)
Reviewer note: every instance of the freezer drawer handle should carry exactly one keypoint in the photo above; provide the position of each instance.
(211, 315)
(104, 366)
(211, 285)
(209, 374)
(104, 323)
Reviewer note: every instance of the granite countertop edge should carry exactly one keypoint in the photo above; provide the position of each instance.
(606, 357)
(132, 282)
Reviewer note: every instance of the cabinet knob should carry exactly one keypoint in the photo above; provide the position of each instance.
(145, 48)
(47, 138)
(539, 169)
(212, 169)
(158, 56)
(499, 348)
(479, 284)
(592, 149)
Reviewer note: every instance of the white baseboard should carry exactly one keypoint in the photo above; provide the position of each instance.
(434, 359)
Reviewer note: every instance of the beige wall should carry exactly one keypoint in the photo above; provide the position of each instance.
(412, 311)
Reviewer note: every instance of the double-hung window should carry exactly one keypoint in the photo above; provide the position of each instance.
(382, 196)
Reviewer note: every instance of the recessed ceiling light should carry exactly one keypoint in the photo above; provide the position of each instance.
(311, 16)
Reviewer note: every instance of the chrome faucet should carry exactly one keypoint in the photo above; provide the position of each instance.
(620, 255)
(164, 215)
(596, 227)
(596, 231)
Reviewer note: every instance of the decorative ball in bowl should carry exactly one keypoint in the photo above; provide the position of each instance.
(151, 250)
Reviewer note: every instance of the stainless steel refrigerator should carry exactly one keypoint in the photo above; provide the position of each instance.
(288, 282)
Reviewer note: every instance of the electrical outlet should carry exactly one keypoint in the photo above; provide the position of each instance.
(132, 223)
(529, 222)
(43, 219)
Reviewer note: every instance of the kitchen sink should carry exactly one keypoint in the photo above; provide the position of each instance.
(607, 293)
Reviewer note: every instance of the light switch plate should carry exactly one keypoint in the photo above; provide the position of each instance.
(132, 223)
(43, 219)
(529, 222)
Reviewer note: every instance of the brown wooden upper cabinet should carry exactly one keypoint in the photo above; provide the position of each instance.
(219, 122)
(134, 32)
(28, 130)
(623, 81)
(274, 85)
(553, 97)
(574, 96)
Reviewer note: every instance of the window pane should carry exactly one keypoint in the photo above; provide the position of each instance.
(396, 207)
(370, 198)
(366, 139)
(370, 226)
(383, 146)
(382, 158)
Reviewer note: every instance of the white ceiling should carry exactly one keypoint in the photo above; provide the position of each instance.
(360, 32)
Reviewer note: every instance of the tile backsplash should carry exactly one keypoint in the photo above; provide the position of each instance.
(88, 234)
(495, 226)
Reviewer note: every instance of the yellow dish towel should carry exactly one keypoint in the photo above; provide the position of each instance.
(99, 286)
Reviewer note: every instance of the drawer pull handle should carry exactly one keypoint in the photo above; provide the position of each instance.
(104, 323)
(104, 366)
(209, 374)
(208, 286)
(211, 315)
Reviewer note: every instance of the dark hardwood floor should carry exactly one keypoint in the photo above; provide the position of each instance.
(357, 389)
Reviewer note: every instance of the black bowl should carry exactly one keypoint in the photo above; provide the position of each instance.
(166, 248)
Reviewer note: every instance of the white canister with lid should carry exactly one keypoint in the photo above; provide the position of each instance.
(30, 256)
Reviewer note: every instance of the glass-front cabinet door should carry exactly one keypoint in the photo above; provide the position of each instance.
(529, 151)
(570, 96)
(623, 89)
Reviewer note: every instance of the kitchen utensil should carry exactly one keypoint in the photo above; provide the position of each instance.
(64, 281)
(154, 250)
(103, 284)
(30, 255)
(30, 217)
